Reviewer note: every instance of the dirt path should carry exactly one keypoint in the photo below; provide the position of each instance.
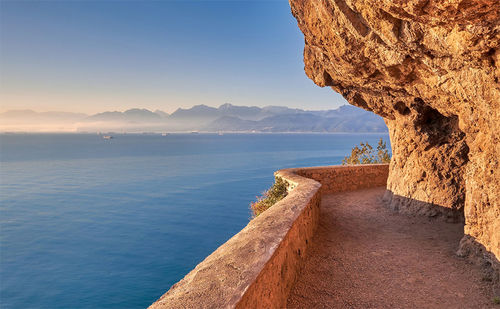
(366, 256)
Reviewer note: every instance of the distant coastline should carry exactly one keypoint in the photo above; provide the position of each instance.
(188, 133)
(227, 118)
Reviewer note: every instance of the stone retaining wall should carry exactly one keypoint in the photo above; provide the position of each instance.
(346, 178)
(257, 267)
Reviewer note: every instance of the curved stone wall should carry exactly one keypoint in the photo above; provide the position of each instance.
(346, 178)
(257, 267)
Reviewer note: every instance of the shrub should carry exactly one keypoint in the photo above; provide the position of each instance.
(496, 300)
(270, 197)
(365, 154)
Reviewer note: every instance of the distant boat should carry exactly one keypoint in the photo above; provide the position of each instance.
(194, 132)
(220, 133)
(107, 136)
(164, 134)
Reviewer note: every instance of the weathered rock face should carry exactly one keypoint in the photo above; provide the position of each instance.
(432, 70)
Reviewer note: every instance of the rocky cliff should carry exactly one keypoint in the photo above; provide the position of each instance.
(432, 70)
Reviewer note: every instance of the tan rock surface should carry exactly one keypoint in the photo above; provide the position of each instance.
(432, 70)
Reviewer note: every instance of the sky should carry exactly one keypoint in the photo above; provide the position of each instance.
(93, 56)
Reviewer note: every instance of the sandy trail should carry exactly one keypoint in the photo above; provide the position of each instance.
(366, 256)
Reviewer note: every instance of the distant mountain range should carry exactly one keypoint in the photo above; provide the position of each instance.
(227, 118)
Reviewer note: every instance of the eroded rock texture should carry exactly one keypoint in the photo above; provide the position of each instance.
(432, 70)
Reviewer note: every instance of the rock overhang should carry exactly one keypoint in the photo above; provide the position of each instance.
(431, 69)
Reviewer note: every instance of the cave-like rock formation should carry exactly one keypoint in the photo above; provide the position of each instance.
(432, 70)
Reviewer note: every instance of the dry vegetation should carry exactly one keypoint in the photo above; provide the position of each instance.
(270, 197)
(366, 154)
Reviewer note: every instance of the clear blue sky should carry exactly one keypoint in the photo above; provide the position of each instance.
(91, 56)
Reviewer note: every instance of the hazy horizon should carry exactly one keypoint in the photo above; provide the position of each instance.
(226, 117)
(93, 56)
(121, 110)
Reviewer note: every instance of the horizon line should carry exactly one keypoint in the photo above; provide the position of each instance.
(2, 111)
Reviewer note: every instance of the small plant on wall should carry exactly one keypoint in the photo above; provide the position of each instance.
(366, 154)
(270, 197)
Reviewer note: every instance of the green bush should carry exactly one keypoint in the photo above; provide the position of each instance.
(365, 154)
(270, 197)
(496, 300)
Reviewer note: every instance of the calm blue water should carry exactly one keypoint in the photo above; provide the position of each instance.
(93, 223)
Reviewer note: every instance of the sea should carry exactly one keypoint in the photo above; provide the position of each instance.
(88, 222)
